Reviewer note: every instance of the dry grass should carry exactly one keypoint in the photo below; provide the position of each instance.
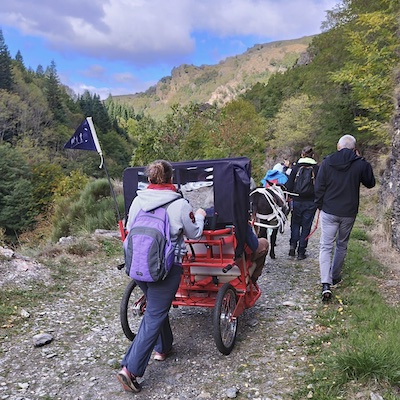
(382, 247)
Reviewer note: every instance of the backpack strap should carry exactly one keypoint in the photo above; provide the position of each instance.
(167, 204)
(180, 235)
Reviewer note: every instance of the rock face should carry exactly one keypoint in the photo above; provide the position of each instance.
(219, 83)
(390, 194)
(304, 59)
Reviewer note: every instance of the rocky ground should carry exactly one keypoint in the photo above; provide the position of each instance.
(82, 360)
(268, 361)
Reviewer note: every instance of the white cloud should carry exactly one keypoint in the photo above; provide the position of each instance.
(111, 43)
(269, 18)
(94, 71)
(124, 77)
(142, 32)
(118, 84)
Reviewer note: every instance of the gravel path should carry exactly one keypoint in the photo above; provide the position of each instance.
(267, 362)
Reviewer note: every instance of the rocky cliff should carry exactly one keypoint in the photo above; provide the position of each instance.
(390, 193)
(219, 83)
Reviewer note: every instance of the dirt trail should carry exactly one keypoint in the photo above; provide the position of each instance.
(267, 362)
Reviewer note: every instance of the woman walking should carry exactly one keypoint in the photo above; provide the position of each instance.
(155, 332)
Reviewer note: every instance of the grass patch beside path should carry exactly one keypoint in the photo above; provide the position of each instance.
(14, 298)
(65, 265)
(359, 349)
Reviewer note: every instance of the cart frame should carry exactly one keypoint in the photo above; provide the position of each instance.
(216, 268)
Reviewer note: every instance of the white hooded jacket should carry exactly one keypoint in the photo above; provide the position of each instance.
(180, 213)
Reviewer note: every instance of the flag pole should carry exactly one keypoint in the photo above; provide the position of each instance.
(85, 138)
(120, 224)
(103, 164)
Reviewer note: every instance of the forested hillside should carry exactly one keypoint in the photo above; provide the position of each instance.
(345, 83)
(37, 117)
(220, 83)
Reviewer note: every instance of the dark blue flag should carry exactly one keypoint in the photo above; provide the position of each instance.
(84, 138)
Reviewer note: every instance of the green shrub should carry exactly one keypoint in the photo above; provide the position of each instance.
(45, 178)
(71, 185)
(358, 234)
(80, 248)
(93, 208)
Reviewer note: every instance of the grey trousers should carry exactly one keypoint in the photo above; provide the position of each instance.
(333, 229)
(154, 331)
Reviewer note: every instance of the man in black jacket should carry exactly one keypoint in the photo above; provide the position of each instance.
(337, 195)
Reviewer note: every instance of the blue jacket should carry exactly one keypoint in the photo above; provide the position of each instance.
(337, 187)
(251, 239)
(274, 176)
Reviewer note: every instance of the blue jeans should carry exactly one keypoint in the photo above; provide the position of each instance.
(300, 226)
(154, 331)
(333, 228)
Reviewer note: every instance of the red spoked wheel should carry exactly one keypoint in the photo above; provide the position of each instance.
(225, 324)
(133, 305)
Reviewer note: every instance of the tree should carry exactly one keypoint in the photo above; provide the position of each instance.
(374, 46)
(19, 59)
(240, 132)
(12, 110)
(53, 93)
(5, 65)
(40, 70)
(295, 126)
(118, 152)
(17, 207)
(185, 131)
(45, 178)
(149, 142)
(91, 106)
(37, 115)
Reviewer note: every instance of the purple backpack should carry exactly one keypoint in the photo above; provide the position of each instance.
(149, 254)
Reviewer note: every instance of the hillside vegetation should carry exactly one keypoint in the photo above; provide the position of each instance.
(217, 84)
(347, 82)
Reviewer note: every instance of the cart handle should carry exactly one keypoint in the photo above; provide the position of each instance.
(227, 268)
(217, 232)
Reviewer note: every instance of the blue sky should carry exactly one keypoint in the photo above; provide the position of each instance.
(125, 46)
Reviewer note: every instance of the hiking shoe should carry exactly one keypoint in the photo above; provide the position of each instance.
(301, 256)
(161, 356)
(337, 281)
(292, 252)
(128, 381)
(326, 292)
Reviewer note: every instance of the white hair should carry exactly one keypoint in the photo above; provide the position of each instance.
(347, 142)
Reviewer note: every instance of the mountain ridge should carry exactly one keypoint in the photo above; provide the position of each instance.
(217, 83)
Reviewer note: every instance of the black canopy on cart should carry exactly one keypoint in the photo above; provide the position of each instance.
(229, 178)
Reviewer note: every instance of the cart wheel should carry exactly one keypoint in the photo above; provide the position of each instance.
(225, 325)
(133, 304)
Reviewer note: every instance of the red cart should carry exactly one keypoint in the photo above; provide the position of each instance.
(217, 268)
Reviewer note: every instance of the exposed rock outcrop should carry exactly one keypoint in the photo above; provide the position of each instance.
(390, 194)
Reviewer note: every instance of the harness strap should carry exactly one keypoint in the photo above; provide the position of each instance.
(268, 217)
(262, 225)
(276, 210)
(315, 227)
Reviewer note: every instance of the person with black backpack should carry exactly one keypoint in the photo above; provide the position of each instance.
(160, 201)
(301, 186)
